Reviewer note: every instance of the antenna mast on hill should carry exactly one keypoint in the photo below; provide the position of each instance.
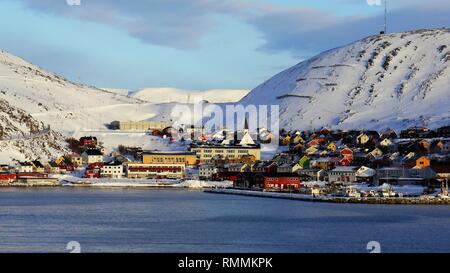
(385, 16)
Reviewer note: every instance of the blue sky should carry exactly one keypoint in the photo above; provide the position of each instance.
(193, 44)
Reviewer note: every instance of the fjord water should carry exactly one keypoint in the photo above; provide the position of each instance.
(149, 220)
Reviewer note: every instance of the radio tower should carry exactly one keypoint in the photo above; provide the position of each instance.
(385, 16)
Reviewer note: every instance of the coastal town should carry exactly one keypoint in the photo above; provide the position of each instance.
(414, 162)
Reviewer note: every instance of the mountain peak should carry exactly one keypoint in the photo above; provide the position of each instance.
(395, 80)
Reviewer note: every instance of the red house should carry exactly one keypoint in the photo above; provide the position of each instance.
(345, 162)
(92, 173)
(230, 176)
(88, 141)
(282, 182)
(347, 154)
(314, 143)
(66, 168)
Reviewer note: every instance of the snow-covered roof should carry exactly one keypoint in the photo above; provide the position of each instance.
(344, 169)
(366, 172)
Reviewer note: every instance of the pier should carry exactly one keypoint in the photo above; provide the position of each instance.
(341, 200)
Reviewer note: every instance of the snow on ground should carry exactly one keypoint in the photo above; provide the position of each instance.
(128, 182)
(171, 95)
(112, 139)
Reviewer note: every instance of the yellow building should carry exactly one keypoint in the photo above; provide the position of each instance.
(140, 125)
(77, 160)
(206, 152)
(170, 157)
(332, 147)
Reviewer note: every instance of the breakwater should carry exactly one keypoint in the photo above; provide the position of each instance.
(343, 200)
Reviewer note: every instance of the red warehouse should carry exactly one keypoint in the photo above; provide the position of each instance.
(282, 182)
(7, 177)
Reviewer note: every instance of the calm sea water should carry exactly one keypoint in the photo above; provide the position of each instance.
(149, 220)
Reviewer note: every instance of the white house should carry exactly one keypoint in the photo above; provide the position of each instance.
(343, 174)
(92, 156)
(207, 171)
(112, 170)
(386, 142)
(376, 153)
(362, 139)
(365, 174)
(24, 167)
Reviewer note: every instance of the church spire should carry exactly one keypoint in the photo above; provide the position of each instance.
(246, 138)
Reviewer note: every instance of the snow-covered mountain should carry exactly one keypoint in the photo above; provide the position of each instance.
(394, 80)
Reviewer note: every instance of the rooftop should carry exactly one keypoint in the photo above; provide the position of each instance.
(156, 152)
(225, 146)
(344, 169)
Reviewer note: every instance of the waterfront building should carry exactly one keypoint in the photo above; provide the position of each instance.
(344, 174)
(208, 171)
(6, 177)
(247, 180)
(143, 170)
(112, 170)
(170, 157)
(287, 182)
(207, 152)
(365, 174)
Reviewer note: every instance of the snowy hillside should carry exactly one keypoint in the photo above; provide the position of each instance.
(38, 91)
(394, 80)
(64, 105)
(31, 99)
(23, 137)
(169, 95)
(74, 110)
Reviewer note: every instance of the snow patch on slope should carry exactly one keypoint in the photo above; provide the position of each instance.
(173, 95)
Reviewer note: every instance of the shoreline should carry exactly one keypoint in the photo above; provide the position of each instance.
(120, 183)
(336, 200)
